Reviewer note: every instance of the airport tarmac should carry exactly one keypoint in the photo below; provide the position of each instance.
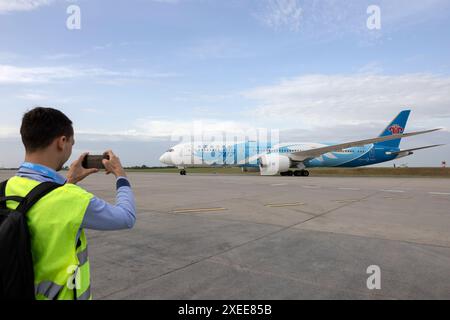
(251, 237)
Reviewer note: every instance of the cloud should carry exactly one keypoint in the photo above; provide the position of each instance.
(325, 19)
(10, 74)
(8, 132)
(33, 96)
(61, 56)
(73, 55)
(373, 67)
(282, 14)
(324, 107)
(94, 111)
(217, 48)
(18, 75)
(326, 101)
(22, 5)
(169, 130)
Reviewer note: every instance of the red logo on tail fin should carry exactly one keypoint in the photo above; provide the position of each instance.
(396, 129)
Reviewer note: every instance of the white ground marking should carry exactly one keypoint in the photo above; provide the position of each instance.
(440, 193)
(311, 187)
(352, 189)
(396, 198)
(394, 191)
(279, 184)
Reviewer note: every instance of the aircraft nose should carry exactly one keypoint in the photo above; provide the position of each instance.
(166, 159)
(162, 158)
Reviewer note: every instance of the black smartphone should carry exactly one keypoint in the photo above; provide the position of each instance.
(94, 161)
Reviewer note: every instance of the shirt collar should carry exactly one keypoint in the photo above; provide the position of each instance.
(44, 171)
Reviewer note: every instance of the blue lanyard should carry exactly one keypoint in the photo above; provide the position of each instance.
(50, 173)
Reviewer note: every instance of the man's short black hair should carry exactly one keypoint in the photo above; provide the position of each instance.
(41, 126)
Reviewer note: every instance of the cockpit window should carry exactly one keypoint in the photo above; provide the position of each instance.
(171, 150)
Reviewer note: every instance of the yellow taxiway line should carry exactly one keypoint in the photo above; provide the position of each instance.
(279, 205)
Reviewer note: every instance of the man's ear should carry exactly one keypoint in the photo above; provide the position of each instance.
(61, 142)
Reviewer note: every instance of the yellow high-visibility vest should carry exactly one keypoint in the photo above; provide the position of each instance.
(61, 264)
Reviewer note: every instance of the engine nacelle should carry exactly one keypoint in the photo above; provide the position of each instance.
(272, 164)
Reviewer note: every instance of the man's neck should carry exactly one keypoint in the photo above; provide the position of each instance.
(42, 159)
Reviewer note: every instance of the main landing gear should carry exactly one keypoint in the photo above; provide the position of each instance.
(297, 173)
(183, 172)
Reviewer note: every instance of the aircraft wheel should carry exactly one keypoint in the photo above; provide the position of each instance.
(298, 173)
(305, 173)
(183, 172)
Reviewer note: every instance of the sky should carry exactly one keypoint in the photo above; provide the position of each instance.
(136, 74)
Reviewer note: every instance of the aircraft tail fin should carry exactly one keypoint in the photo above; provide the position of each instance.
(397, 126)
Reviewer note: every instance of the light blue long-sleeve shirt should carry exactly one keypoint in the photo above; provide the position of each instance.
(99, 215)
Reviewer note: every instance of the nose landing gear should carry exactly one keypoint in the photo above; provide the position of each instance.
(183, 172)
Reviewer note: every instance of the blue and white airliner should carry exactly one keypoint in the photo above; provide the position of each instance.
(294, 158)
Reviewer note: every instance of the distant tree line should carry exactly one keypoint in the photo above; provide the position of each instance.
(143, 167)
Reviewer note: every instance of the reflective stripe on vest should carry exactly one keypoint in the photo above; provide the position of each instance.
(83, 257)
(86, 295)
(48, 289)
(51, 290)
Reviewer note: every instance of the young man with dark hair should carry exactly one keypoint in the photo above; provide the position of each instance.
(58, 220)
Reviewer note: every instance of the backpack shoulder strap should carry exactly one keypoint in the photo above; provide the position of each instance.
(35, 195)
(4, 198)
(2, 193)
(3, 188)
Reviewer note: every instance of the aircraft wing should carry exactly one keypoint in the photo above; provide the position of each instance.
(415, 149)
(317, 152)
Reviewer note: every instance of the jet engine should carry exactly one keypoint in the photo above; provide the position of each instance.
(272, 164)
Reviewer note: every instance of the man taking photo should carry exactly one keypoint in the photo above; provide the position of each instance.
(57, 221)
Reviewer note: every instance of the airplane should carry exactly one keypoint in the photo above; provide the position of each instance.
(293, 159)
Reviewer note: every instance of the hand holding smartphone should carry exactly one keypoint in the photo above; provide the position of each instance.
(95, 161)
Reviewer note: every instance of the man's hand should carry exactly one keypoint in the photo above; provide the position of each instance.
(77, 172)
(113, 165)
